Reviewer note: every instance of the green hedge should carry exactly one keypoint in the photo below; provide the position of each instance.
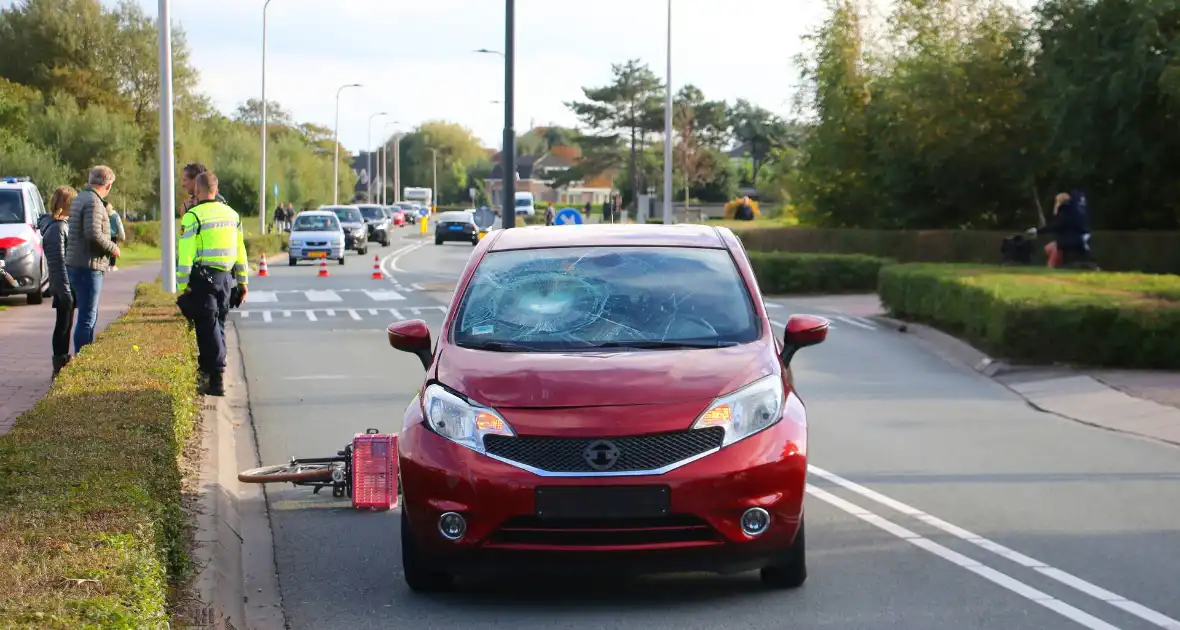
(1151, 252)
(781, 273)
(91, 529)
(1042, 315)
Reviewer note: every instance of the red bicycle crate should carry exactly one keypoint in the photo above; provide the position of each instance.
(374, 471)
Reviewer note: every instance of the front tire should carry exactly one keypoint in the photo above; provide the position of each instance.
(791, 569)
(364, 250)
(38, 294)
(416, 570)
(342, 260)
(291, 262)
(438, 241)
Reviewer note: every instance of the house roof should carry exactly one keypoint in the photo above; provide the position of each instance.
(524, 167)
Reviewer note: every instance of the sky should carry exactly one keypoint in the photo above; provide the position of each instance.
(415, 57)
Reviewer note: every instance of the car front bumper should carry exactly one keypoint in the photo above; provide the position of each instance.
(19, 274)
(702, 531)
(352, 241)
(304, 253)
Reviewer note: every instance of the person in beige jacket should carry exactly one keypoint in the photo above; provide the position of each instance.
(89, 249)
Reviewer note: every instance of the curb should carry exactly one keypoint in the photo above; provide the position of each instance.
(234, 547)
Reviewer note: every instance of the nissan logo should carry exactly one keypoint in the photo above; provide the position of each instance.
(601, 454)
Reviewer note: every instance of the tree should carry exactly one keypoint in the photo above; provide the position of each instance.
(457, 149)
(250, 113)
(758, 130)
(622, 108)
(695, 123)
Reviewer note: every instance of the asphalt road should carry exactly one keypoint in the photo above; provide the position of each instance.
(939, 499)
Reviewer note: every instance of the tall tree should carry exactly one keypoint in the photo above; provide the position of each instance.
(457, 148)
(623, 108)
(759, 130)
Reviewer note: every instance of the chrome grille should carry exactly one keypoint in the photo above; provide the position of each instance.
(638, 453)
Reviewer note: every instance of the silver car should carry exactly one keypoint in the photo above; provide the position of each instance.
(316, 235)
(356, 233)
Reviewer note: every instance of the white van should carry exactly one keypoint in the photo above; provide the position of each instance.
(525, 204)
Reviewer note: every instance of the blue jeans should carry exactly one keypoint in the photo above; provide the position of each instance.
(87, 285)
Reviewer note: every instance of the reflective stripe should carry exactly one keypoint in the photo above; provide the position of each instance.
(189, 232)
(217, 253)
(183, 269)
(209, 225)
(182, 278)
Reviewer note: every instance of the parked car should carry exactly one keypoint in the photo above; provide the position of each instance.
(22, 261)
(315, 235)
(666, 433)
(456, 225)
(377, 221)
(356, 233)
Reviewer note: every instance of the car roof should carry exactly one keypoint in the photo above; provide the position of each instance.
(313, 213)
(600, 235)
(453, 214)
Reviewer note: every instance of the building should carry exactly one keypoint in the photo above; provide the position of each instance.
(536, 174)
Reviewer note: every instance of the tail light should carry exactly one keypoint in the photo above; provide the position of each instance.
(374, 471)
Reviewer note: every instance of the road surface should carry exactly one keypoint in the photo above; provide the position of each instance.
(939, 499)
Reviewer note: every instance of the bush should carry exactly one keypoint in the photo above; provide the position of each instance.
(91, 529)
(1152, 252)
(782, 273)
(1042, 315)
(258, 244)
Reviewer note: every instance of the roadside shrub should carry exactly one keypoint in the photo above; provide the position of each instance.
(142, 232)
(258, 244)
(781, 273)
(91, 529)
(1041, 315)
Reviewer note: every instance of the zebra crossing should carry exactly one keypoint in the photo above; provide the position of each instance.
(321, 296)
(381, 316)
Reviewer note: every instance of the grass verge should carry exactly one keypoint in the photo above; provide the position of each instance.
(1042, 315)
(92, 534)
(783, 273)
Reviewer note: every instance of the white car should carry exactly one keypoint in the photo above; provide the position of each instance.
(525, 204)
(316, 235)
(22, 262)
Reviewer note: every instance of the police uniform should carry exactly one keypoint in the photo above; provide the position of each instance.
(211, 262)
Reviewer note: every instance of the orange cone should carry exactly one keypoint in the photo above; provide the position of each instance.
(262, 272)
(377, 275)
(323, 269)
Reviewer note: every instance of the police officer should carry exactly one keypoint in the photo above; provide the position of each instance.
(210, 266)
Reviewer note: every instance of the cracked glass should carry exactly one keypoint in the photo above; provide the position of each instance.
(564, 299)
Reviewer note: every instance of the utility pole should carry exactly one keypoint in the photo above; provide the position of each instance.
(434, 167)
(262, 169)
(167, 156)
(668, 127)
(336, 143)
(508, 154)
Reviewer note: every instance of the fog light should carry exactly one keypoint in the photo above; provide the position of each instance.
(452, 526)
(755, 521)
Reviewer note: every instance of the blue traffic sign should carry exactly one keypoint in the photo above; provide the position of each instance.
(484, 217)
(568, 216)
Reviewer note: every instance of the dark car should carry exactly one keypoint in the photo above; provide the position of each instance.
(456, 225)
(615, 389)
(356, 233)
(378, 222)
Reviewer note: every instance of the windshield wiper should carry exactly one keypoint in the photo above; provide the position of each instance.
(498, 346)
(652, 344)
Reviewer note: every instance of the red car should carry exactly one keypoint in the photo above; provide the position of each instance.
(616, 389)
(399, 218)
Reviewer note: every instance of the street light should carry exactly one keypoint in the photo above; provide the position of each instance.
(508, 152)
(336, 141)
(434, 167)
(384, 157)
(668, 127)
(262, 168)
(369, 150)
(167, 156)
(489, 51)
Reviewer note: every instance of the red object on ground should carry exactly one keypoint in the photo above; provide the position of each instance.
(323, 269)
(262, 272)
(377, 275)
(374, 471)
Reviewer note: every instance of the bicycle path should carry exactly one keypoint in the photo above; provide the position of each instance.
(25, 340)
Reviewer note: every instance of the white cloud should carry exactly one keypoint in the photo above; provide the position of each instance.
(416, 61)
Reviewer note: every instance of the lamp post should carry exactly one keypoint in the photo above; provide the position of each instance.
(384, 167)
(167, 155)
(668, 127)
(434, 167)
(336, 142)
(369, 150)
(262, 168)
(508, 152)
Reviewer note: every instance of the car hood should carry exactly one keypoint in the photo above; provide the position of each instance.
(351, 225)
(314, 236)
(17, 230)
(581, 379)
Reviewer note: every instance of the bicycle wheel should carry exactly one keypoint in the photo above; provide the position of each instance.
(287, 472)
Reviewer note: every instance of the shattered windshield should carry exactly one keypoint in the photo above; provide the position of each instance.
(563, 299)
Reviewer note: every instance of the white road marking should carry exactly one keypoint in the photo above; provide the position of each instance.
(372, 311)
(772, 305)
(384, 296)
(418, 286)
(245, 314)
(855, 321)
(353, 314)
(328, 295)
(263, 296)
(954, 557)
(265, 315)
(396, 313)
(1139, 610)
(311, 315)
(331, 313)
(286, 313)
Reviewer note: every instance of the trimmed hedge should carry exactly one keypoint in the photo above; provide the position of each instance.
(781, 273)
(92, 534)
(1043, 315)
(1150, 252)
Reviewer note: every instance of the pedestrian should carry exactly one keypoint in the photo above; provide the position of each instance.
(188, 181)
(54, 231)
(549, 214)
(212, 266)
(118, 234)
(88, 252)
(1071, 231)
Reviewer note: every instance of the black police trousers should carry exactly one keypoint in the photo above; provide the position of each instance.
(208, 308)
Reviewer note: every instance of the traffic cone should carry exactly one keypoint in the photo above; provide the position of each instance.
(377, 275)
(323, 269)
(262, 272)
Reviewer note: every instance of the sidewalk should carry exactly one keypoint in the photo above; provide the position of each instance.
(25, 335)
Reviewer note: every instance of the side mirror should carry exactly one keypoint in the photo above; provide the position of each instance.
(411, 336)
(803, 331)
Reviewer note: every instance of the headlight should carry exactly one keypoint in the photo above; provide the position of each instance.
(338, 243)
(24, 249)
(746, 411)
(358, 231)
(460, 421)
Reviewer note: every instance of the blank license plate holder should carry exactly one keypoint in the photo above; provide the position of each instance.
(602, 502)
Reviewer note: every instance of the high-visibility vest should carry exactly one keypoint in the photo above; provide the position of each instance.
(211, 236)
